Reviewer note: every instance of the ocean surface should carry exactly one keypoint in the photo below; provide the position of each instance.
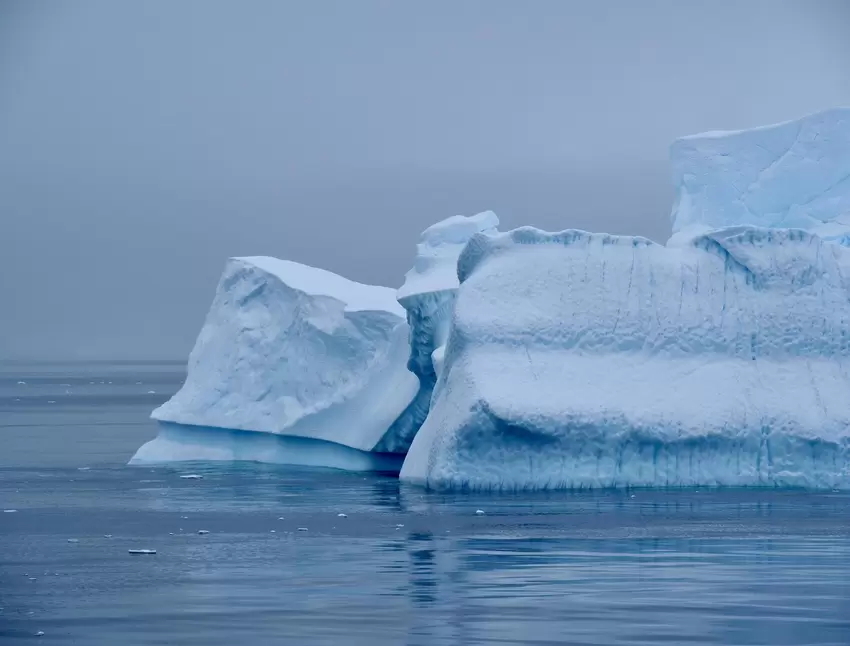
(279, 565)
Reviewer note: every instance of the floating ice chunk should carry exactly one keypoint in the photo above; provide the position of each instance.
(40, 633)
(151, 392)
(589, 360)
(73, 540)
(479, 512)
(22, 383)
(141, 551)
(342, 516)
(203, 531)
(302, 529)
(10, 511)
(192, 476)
(293, 350)
(107, 535)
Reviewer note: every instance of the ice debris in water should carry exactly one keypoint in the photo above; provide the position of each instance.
(107, 535)
(22, 383)
(203, 531)
(192, 476)
(10, 511)
(141, 551)
(40, 633)
(479, 512)
(73, 540)
(302, 529)
(342, 515)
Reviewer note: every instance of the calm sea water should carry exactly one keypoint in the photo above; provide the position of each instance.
(279, 566)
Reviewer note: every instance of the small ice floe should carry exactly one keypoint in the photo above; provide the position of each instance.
(273, 532)
(280, 518)
(203, 531)
(73, 540)
(141, 551)
(32, 578)
(184, 517)
(107, 535)
(10, 511)
(192, 476)
(399, 526)
(632, 496)
(479, 512)
(40, 633)
(83, 468)
(151, 392)
(22, 383)
(342, 515)
(302, 529)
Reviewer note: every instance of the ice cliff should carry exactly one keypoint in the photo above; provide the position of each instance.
(589, 360)
(295, 351)
(428, 296)
(794, 174)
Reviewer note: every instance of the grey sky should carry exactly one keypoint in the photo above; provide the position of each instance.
(142, 143)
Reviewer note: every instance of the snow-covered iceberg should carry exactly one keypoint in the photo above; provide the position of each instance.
(428, 296)
(793, 174)
(294, 351)
(589, 360)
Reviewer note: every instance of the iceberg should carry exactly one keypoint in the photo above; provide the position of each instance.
(790, 175)
(292, 351)
(428, 297)
(580, 360)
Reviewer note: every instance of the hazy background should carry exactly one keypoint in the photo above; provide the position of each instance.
(144, 142)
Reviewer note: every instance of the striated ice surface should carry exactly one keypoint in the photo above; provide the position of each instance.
(428, 296)
(293, 350)
(793, 174)
(589, 360)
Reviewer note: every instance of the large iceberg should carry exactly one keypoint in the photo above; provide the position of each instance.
(793, 174)
(588, 360)
(292, 351)
(428, 296)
